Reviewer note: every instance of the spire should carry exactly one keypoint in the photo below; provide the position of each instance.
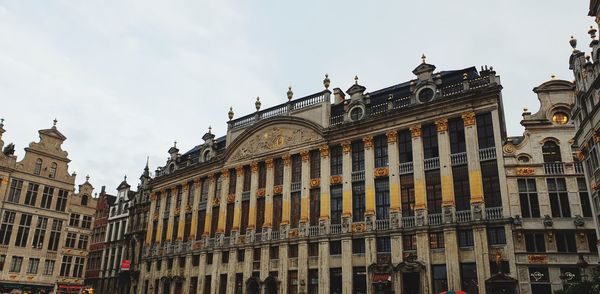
(54, 123)
(424, 58)
(87, 178)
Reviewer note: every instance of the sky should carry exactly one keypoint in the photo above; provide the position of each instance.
(125, 79)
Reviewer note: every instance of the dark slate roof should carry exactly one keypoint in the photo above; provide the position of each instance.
(111, 199)
(195, 152)
(516, 140)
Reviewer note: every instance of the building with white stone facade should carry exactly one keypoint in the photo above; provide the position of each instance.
(399, 189)
(553, 228)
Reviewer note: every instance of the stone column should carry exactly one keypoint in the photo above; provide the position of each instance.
(347, 266)
(265, 261)
(250, 231)
(269, 184)
(394, 178)
(370, 258)
(285, 205)
(397, 257)
(182, 212)
(482, 255)
(231, 270)
(209, 205)
(452, 263)
(237, 214)
(419, 176)
(325, 174)
(215, 275)
(170, 224)
(149, 228)
(323, 267)
(369, 183)
(195, 206)
(423, 256)
(445, 170)
(248, 263)
(305, 200)
(501, 170)
(283, 267)
(223, 203)
(302, 265)
(347, 186)
(475, 181)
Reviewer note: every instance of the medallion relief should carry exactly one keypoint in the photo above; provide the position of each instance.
(272, 139)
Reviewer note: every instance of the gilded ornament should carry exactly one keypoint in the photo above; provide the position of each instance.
(272, 139)
(286, 159)
(216, 201)
(278, 189)
(368, 142)
(596, 137)
(580, 156)
(415, 131)
(188, 208)
(537, 258)
(315, 183)
(334, 180)
(211, 178)
(381, 172)
(225, 173)
(293, 233)
(177, 210)
(525, 171)
(260, 193)
(392, 136)
(231, 198)
(305, 154)
(239, 171)
(468, 118)
(441, 125)
(324, 151)
(254, 166)
(358, 227)
(269, 163)
(346, 147)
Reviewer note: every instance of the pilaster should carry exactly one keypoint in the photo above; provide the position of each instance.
(170, 224)
(149, 228)
(195, 206)
(305, 200)
(283, 267)
(347, 266)
(394, 180)
(323, 267)
(253, 189)
(347, 183)
(369, 181)
(423, 255)
(419, 175)
(223, 202)
(475, 181)
(237, 214)
(215, 275)
(209, 205)
(325, 182)
(269, 195)
(302, 265)
(482, 255)
(448, 206)
(182, 211)
(451, 253)
(286, 191)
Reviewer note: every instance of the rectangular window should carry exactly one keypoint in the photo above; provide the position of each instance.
(260, 213)
(491, 183)
(293, 251)
(86, 223)
(190, 194)
(218, 186)
(407, 194)
(74, 220)
(278, 171)
(277, 211)
(335, 154)
(14, 193)
(584, 199)
(409, 242)
(358, 156)
(31, 195)
(200, 224)
(436, 240)
(565, 242)
(530, 207)
(15, 265)
(247, 179)
(439, 278)
(241, 255)
(380, 150)
(358, 201)
(465, 238)
(384, 245)
(315, 164)
(8, 220)
(61, 201)
(296, 168)
(335, 280)
(315, 206)
(262, 174)
(70, 241)
(55, 235)
(462, 190)
(158, 202)
(382, 198)
(65, 266)
(335, 247)
(359, 279)
(47, 197)
(32, 267)
(244, 220)
(83, 242)
(591, 238)
(496, 236)
(40, 232)
(295, 209)
(224, 259)
(358, 246)
(48, 267)
(336, 204)
(456, 131)
(405, 146)
(204, 190)
(485, 130)
(175, 228)
(313, 249)
(214, 222)
(468, 278)
(429, 138)
(535, 242)
(292, 282)
(274, 252)
(23, 232)
(504, 267)
(434, 191)
(228, 218)
(559, 197)
(78, 267)
(178, 197)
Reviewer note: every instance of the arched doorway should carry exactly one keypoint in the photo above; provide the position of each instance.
(411, 273)
(253, 286)
(271, 285)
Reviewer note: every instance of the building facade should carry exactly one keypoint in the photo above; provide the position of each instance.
(44, 225)
(553, 228)
(97, 242)
(399, 190)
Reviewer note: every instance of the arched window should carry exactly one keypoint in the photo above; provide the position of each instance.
(551, 152)
(38, 167)
(84, 200)
(53, 170)
(206, 156)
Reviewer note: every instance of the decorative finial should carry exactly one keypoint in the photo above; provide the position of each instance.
(356, 80)
(230, 113)
(326, 81)
(290, 94)
(147, 160)
(573, 42)
(209, 129)
(465, 76)
(54, 122)
(553, 76)
(175, 144)
(525, 109)
(424, 58)
(125, 178)
(257, 103)
(87, 178)
(1, 122)
(592, 32)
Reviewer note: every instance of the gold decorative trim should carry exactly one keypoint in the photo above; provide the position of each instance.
(315, 183)
(381, 172)
(278, 189)
(537, 258)
(441, 125)
(231, 198)
(580, 156)
(293, 233)
(525, 171)
(260, 193)
(269, 163)
(334, 180)
(305, 154)
(254, 166)
(239, 171)
(392, 136)
(216, 201)
(415, 131)
(346, 147)
(596, 137)
(225, 173)
(324, 151)
(286, 159)
(177, 210)
(468, 118)
(358, 227)
(368, 142)
(188, 208)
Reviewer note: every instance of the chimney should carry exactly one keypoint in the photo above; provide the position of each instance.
(338, 96)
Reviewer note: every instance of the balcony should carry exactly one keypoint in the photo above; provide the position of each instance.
(463, 216)
(493, 213)
(245, 195)
(406, 168)
(336, 229)
(297, 186)
(275, 234)
(313, 231)
(358, 176)
(578, 167)
(408, 221)
(435, 218)
(487, 154)
(432, 163)
(458, 158)
(336, 120)
(554, 168)
(382, 224)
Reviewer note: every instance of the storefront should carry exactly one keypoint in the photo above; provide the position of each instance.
(69, 289)
(22, 288)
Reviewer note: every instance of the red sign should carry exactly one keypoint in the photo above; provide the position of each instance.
(125, 265)
(70, 287)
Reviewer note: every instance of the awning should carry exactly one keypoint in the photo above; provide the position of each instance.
(7, 287)
(382, 278)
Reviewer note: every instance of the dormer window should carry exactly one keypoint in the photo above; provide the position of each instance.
(551, 152)
(356, 113)
(84, 200)
(53, 170)
(425, 95)
(206, 156)
(38, 167)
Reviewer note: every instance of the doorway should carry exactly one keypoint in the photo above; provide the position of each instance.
(411, 283)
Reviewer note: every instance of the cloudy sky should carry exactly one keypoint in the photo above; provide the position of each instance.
(127, 78)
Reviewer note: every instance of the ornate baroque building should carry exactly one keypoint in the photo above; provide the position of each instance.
(44, 226)
(399, 189)
(553, 228)
(97, 243)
